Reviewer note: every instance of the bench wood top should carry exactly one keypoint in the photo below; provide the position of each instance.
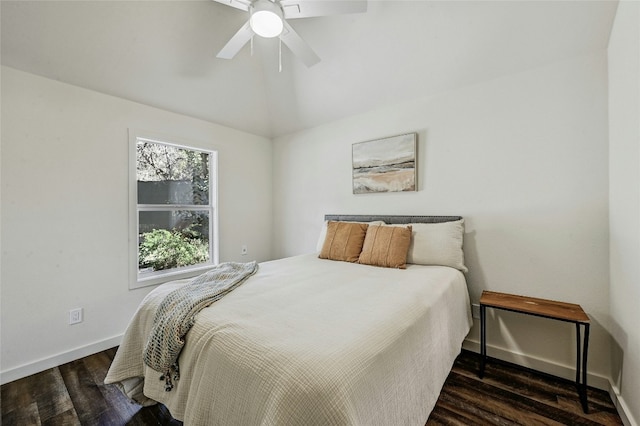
(535, 306)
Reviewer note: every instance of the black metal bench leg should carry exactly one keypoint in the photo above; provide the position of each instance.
(585, 351)
(483, 339)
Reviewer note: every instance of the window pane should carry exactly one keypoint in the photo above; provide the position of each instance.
(172, 239)
(170, 175)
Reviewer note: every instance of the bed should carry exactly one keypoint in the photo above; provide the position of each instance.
(312, 341)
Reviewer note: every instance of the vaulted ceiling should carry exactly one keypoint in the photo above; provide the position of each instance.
(163, 53)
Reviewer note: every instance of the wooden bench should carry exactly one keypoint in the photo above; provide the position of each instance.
(560, 311)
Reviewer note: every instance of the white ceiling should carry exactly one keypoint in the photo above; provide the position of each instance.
(162, 53)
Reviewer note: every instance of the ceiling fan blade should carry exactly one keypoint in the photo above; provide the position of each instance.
(236, 43)
(238, 4)
(298, 46)
(309, 8)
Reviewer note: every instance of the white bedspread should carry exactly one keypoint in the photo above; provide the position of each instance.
(308, 341)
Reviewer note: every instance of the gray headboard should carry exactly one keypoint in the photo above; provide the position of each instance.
(390, 218)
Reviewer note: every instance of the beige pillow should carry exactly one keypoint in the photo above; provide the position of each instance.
(438, 244)
(343, 241)
(386, 246)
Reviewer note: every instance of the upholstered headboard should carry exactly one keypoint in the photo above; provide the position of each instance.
(391, 219)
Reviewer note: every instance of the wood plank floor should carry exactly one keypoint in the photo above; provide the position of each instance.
(513, 395)
(74, 394)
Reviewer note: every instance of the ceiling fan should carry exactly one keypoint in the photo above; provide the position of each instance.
(268, 18)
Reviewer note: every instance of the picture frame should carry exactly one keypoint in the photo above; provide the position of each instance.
(385, 165)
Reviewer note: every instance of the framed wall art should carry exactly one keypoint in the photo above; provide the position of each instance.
(385, 165)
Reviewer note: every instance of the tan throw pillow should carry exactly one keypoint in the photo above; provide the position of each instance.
(323, 232)
(386, 246)
(343, 241)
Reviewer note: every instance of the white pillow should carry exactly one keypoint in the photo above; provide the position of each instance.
(323, 232)
(437, 244)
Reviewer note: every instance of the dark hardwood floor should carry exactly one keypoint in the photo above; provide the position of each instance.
(74, 394)
(513, 395)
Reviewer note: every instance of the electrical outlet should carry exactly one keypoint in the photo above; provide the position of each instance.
(243, 250)
(475, 310)
(75, 316)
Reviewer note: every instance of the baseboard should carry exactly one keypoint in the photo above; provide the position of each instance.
(43, 364)
(539, 364)
(558, 370)
(622, 407)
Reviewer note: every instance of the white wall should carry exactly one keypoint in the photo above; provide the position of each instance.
(624, 202)
(65, 213)
(523, 158)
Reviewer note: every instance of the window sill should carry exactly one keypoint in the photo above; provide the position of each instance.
(164, 277)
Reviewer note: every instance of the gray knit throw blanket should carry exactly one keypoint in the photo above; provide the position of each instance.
(176, 315)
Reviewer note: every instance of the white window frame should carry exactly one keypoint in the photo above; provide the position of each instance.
(158, 277)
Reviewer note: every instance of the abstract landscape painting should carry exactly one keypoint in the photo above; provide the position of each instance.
(385, 165)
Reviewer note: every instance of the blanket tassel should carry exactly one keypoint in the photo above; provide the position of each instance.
(168, 383)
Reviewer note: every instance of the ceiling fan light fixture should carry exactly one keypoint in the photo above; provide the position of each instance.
(266, 19)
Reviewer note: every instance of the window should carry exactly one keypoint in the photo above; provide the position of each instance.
(173, 226)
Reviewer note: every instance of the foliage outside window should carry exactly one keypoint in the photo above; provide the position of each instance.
(175, 210)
